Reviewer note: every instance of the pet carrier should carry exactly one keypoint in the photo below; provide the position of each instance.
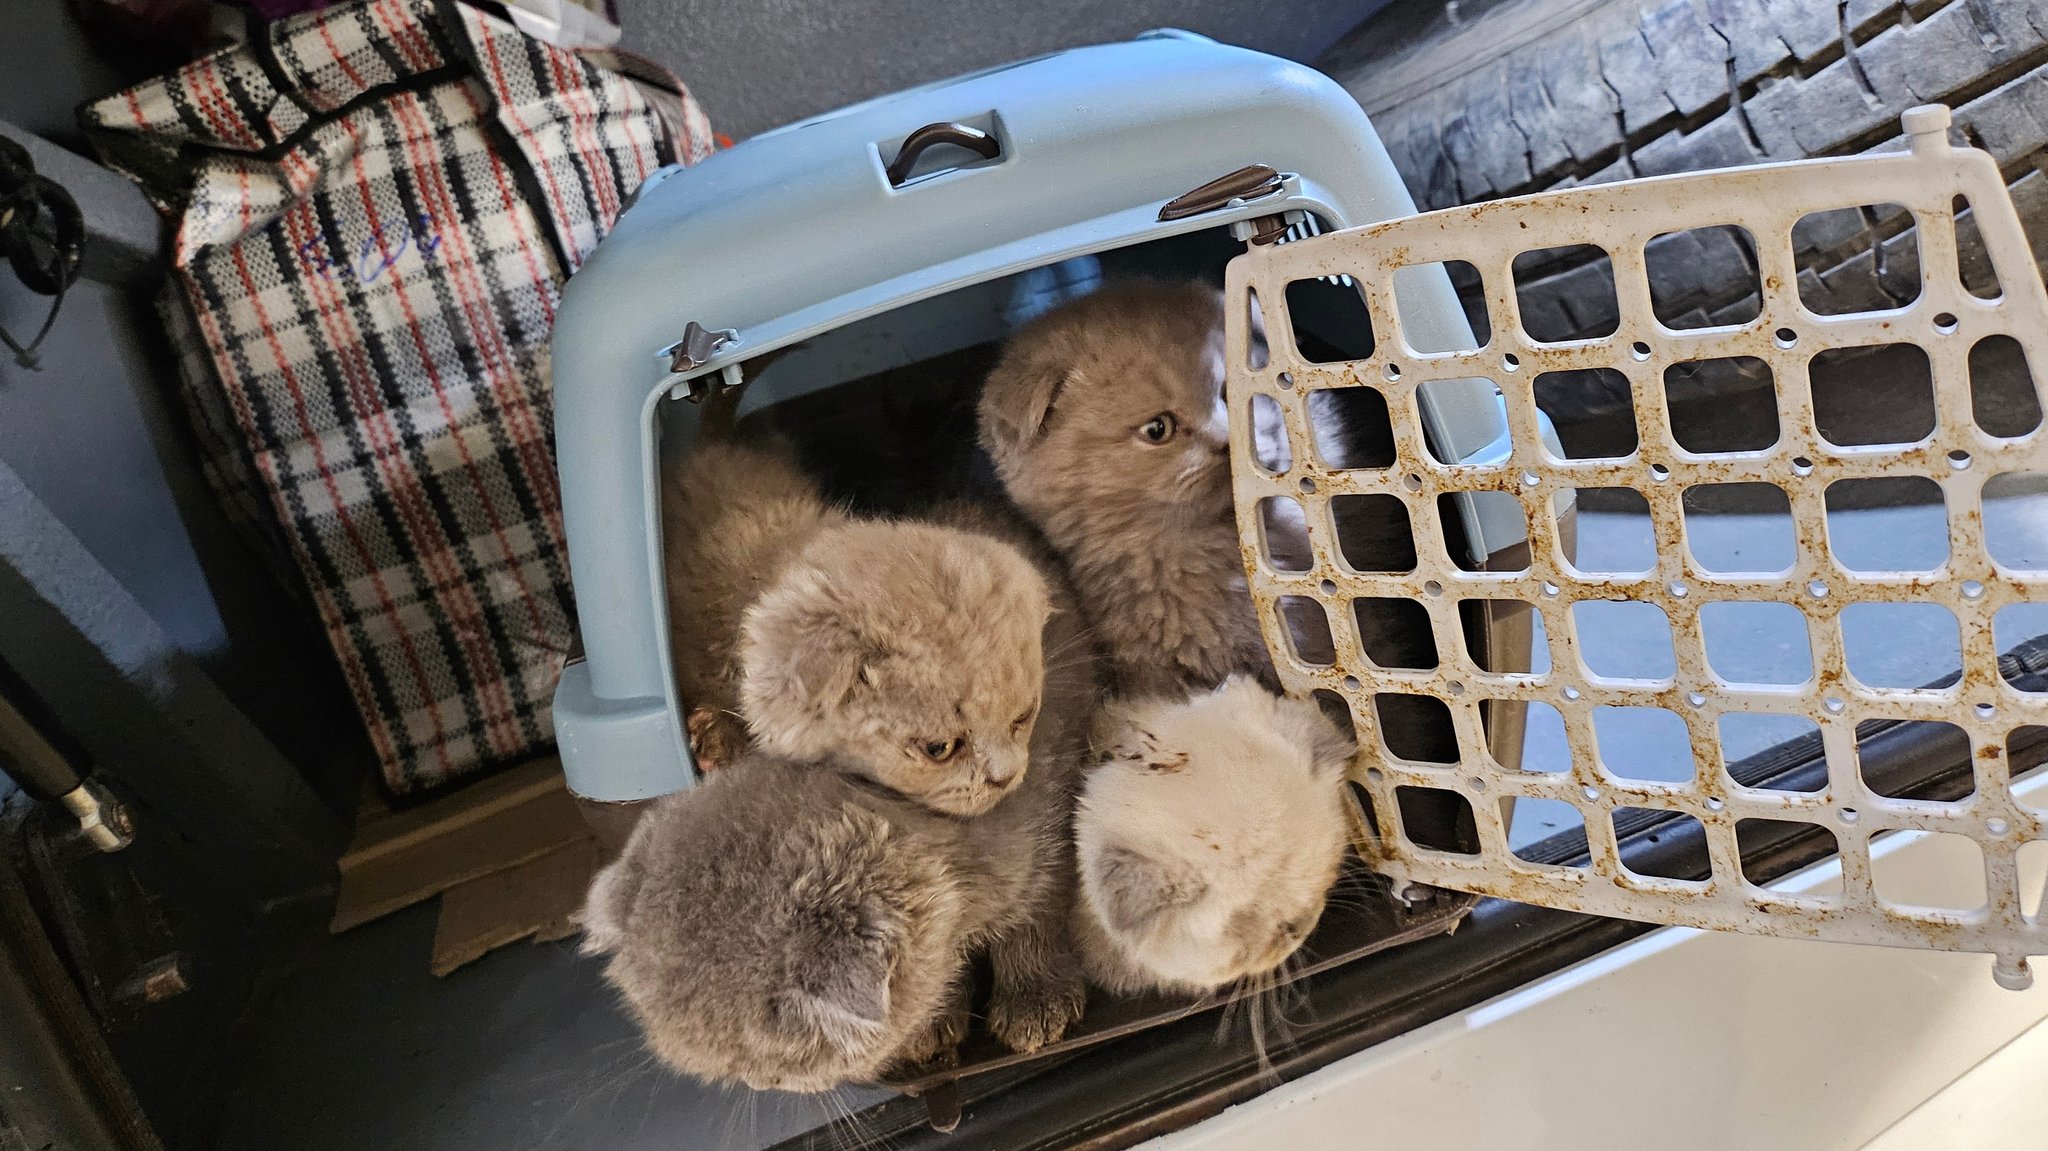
(914, 226)
(855, 274)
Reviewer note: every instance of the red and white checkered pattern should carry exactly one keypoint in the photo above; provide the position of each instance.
(377, 204)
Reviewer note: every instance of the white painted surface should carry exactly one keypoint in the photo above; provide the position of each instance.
(2000, 1105)
(1693, 1041)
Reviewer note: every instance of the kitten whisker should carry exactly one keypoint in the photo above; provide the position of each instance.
(736, 1112)
(839, 1120)
(870, 1135)
(615, 1083)
(1256, 1016)
(1065, 663)
(1293, 992)
(1080, 638)
(1353, 882)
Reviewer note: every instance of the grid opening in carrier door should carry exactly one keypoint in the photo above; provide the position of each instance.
(881, 294)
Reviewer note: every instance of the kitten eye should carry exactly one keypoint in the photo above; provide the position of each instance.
(1159, 428)
(1030, 714)
(941, 750)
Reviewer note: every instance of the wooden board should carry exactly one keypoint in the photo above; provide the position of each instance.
(537, 899)
(402, 857)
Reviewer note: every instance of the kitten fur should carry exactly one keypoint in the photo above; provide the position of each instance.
(1146, 528)
(909, 651)
(782, 927)
(732, 516)
(788, 925)
(1208, 837)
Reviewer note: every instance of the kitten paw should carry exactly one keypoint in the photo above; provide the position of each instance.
(903, 1068)
(1029, 1016)
(936, 1047)
(712, 739)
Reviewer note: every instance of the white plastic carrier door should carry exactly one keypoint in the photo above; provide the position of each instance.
(1974, 583)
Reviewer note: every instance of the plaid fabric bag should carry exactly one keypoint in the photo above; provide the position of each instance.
(376, 206)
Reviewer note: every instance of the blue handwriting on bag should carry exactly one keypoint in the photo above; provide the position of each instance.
(378, 252)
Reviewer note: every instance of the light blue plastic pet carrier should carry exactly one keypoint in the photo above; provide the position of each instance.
(911, 225)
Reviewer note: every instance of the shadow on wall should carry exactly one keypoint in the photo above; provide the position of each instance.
(756, 66)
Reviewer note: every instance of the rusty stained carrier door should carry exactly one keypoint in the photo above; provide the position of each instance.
(1945, 320)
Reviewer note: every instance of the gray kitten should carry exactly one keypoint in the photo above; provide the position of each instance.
(789, 924)
(909, 648)
(782, 926)
(1104, 423)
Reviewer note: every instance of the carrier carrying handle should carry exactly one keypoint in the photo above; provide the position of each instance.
(973, 139)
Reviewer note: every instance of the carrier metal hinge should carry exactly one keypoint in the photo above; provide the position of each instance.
(697, 346)
(1252, 182)
(695, 350)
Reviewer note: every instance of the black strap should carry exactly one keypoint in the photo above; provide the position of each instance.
(42, 237)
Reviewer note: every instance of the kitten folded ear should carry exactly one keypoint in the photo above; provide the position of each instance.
(825, 675)
(801, 654)
(1132, 891)
(1300, 721)
(1123, 737)
(841, 994)
(845, 942)
(1330, 748)
(1141, 748)
(1018, 398)
(605, 908)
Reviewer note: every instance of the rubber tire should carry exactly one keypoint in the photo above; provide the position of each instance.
(1495, 98)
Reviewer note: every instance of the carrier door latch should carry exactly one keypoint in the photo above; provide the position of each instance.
(1252, 182)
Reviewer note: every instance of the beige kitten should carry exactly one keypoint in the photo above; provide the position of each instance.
(732, 515)
(1104, 422)
(837, 619)
(912, 651)
(1208, 837)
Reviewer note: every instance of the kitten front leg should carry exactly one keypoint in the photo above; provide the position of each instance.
(938, 1045)
(1038, 989)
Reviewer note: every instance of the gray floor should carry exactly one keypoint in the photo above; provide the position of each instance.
(524, 1050)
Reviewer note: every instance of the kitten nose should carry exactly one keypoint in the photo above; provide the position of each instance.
(1000, 770)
